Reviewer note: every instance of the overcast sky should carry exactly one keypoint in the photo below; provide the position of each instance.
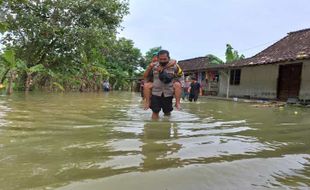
(193, 28)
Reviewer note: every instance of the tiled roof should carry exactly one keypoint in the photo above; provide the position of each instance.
(199, 63)
(295, 46)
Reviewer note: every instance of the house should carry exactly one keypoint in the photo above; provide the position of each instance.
(201, 68)
(281, 71)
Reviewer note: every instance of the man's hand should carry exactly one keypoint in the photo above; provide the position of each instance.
(148, 70)
(152, 64)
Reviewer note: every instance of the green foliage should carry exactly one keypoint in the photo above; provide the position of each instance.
(231, 54)
(59, 86)
(3, 27)
(214, 60)
(72, 43)
(9, 59)
(4, 69)
(23, 67)
(122, 62)
(10, 64)
(36, 68)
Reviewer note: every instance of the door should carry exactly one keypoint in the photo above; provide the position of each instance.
(289, 81)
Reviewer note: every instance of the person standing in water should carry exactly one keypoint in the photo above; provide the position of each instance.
(106, 86)
(185, 93)
(167, 81)
(194, 90)
(148, 78)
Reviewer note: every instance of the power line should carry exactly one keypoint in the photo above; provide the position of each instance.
(250, 48)
(259, 45)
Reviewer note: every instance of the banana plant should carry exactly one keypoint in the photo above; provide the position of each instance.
(22, 66)
(232, 55)
(94, 71)
(10, 64)
(214, 60)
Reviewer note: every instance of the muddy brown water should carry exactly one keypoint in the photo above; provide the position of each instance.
(107, 141)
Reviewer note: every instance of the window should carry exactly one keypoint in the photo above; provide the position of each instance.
(235, 76)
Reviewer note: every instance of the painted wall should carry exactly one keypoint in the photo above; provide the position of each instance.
(256, 82)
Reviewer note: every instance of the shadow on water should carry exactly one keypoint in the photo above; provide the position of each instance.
(95, 141)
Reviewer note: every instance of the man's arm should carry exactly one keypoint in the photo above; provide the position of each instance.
(148, 71)
(171, 63)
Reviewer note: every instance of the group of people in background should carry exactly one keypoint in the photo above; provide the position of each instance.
(192, 89)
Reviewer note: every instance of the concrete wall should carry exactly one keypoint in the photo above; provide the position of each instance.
(304, 93)
(256, 82)
(261, 82)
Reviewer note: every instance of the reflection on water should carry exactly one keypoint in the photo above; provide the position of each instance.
(106, 141)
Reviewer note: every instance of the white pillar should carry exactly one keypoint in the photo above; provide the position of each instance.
(228, 84)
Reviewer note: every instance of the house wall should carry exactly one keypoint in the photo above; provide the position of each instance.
(261, 82)
(304, 93)
(255, 82)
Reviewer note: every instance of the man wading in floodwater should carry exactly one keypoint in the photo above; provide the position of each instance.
(194, 90)
(148, 79)
(167, 81)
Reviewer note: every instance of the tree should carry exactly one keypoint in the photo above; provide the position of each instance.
(57, 34)
(231, 54)
(9, 63)
(92, 71)
(3, 25)
(123, 61)
(22, 67)
(214, 60)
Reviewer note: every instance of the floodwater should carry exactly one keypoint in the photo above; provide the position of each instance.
(106, 141)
